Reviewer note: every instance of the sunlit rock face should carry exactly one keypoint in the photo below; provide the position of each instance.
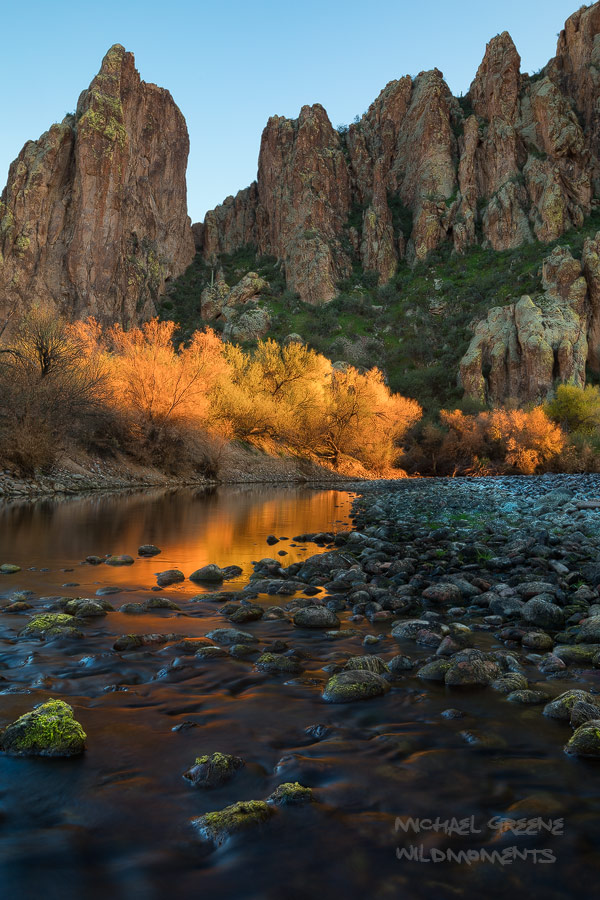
(520, 351)
(93, 220)
(515, 160)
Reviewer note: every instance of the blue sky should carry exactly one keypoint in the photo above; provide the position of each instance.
(231, 64)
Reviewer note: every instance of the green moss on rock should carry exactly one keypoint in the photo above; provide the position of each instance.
(50, 625)
(213, 771)
(291, 794)
(585, 740)
(9, 569)
(218, 826)
(354, 685)
(561, 707)
(48, 730)
(277, 662)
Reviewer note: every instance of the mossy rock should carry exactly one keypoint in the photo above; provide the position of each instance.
(210, 574)
(315, 617)
(561, 707)
(217, 827)
(585, 740)
(169, 576)
(527, 697)
(346, 687)
(242, 651)
(123, 560)
(133, 609)
(50, 625)
(278, 663)
(148, 550)
(509, 683)
(210, 653)
(435, 670)
(9, 569)
(291, 794)
(213, 771)
(577, 655)
(366, 664)
(87, 609)
(245, 613)
(161, 603)
(48, 730)
(231, 636)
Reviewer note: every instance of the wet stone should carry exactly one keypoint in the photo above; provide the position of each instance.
(560, 708)
(48, 730)
(169, 576)
(148, 550)
(213, 771)
(123, 560)
(349, 686)
(315, 617)
(231, 636)
(50, 625)
(217, 827)
(277, 663)
(585, 740)
(291, 794)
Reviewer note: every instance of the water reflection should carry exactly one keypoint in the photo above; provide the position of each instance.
(227, 526)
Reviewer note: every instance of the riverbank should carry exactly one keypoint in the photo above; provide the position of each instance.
(77, 473)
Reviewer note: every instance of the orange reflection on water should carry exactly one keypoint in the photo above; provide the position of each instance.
(228, 526)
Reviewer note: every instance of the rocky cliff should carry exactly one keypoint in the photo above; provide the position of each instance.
(516, 159)
(93, 220)
(520, 351)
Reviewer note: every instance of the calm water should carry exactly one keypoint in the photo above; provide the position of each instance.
(115, 823)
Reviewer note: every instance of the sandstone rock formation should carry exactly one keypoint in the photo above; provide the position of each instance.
(517, 159)
(219, 300)
(93, 219)
(521, 351)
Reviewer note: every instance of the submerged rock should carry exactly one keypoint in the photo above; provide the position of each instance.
(357, 684)
(217, 827)
(213, 771)
(48, 730)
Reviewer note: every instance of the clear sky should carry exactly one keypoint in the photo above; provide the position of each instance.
(230, 64)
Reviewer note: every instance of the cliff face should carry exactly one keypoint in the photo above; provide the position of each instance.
(93, 219)
(521, 350)
(515, 160)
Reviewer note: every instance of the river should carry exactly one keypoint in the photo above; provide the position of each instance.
(116, 822)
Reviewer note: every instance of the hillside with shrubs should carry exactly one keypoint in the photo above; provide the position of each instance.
(174, 405)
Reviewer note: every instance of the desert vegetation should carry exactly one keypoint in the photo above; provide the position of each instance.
(174, 405)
